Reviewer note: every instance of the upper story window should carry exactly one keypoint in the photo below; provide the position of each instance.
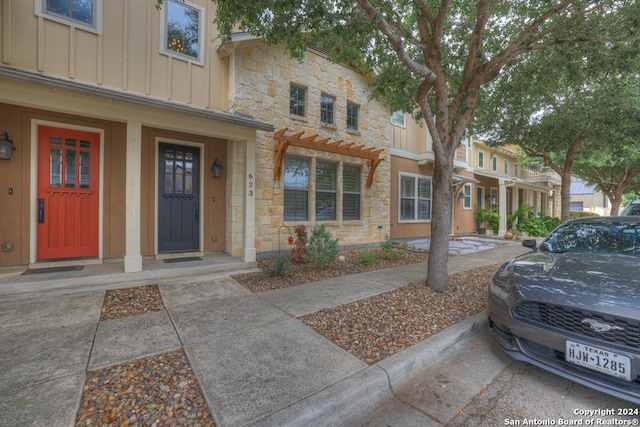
(480, 159)
(297, 100)
(397, 118)
(515, 170)
(183, 31)
(327, 104)
(506, 167)
(83, 14)
(352, 116)
(494, 163)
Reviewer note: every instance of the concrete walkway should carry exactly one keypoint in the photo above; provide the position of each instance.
(257, 364)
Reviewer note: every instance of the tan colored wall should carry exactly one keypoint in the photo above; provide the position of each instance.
(126, 56)
(262, 78)
(15, 212)
(412, 137)
(213, 212)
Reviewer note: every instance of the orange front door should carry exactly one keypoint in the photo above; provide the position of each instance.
(68, 196)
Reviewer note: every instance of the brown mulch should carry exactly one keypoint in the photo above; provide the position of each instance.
(126, 302)
(299, 274)
(374, 328)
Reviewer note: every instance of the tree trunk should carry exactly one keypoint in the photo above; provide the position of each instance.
(438, 264)
(615, 207)
(565, 196)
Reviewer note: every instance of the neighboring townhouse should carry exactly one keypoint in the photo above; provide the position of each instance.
(138, 135)
(327, 161)
(412, 162)
(505, 184)
(585, 198)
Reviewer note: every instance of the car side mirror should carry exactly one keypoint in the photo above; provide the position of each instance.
(530, 243)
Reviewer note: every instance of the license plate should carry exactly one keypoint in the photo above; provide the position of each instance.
(598, 359)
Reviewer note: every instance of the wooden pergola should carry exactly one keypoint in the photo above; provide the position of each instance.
(348, 149)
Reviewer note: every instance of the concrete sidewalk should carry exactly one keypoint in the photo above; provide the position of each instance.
(257, 364)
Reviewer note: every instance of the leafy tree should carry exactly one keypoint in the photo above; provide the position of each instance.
(613, 167)
(435, 55)
(567, 105)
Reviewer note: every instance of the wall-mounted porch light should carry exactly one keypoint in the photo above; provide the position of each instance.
(217, 169)
(6, 147)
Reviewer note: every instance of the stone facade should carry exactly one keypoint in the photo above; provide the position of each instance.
(260, 86)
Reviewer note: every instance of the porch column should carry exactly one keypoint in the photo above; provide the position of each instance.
(248, 247)
(502, 207)
(133, 257)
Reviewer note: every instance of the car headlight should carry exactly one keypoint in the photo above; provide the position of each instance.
(501, 291)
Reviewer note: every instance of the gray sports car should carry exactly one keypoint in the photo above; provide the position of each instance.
(572, 305)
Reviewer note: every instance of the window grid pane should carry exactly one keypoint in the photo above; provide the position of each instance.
(183, 29)
(351, 192)
(352, 117)
(297, 101)
(326, 109)
(296, 185)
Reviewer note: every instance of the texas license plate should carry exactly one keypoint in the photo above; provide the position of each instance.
(598, 359)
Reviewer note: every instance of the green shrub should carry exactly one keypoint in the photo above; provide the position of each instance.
(322, 248)
(539, 226)
(581, 214)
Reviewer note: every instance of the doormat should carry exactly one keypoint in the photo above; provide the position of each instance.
(191, 258)
(53, 269)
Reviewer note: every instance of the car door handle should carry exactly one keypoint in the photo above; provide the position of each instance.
(40, 211)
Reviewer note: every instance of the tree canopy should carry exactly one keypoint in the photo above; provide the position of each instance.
(430, 58)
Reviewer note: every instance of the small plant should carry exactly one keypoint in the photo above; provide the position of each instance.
(322, 248)
(367, 257)
(386, 247)
(300, 249)
(280, 267)
(489, 217)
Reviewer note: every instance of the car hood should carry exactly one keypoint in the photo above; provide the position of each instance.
(607, 283)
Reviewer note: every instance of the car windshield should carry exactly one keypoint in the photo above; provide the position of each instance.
(594, 238)
(631, 210)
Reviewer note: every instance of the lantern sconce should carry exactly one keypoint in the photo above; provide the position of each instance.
(217, 168)
(461, 195)
(6, 147)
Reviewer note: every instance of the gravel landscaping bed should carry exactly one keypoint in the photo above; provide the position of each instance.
(162, 390)
(374, 328)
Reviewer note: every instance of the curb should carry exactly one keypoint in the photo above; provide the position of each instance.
(370, 384)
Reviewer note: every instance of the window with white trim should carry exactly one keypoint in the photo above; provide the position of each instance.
(296, 189)
(351, 192)
(84, 14)
(415, 198)
(480, 159)
(466, 197)
(182, 25)
(506, 167)
(326, 190)
(327, 104)
(494, 163)
(515, 170)
(397, 118)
